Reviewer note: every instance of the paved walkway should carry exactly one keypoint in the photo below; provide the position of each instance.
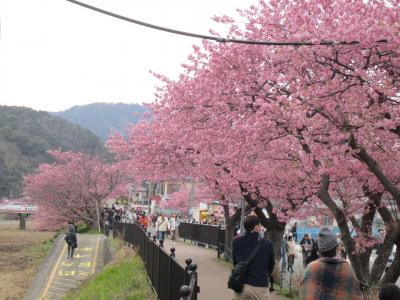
(213, 274)
(62, 274)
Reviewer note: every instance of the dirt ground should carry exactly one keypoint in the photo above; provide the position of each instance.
(18, 261)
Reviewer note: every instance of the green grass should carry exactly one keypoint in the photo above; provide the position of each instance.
(116, 244)
(37, 252)
(93, 231)
(84, 228)
(126, 279)
(286, 293)
(224, 262)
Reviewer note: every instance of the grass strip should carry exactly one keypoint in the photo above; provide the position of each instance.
(125, 279)
(38, 252)
(293, 294)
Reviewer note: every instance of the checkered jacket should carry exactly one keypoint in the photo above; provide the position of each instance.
(329, 279)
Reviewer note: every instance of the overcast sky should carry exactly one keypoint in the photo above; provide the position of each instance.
(54, 54)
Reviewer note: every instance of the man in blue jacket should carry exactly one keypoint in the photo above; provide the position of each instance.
(258, 272)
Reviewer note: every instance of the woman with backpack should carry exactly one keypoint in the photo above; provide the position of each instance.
(71, 240)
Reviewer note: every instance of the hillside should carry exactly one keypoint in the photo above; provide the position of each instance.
(102, 118)
(26, 135)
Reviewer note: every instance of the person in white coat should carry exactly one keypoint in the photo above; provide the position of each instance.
(162, 226)
(291, 253)
(174, 226)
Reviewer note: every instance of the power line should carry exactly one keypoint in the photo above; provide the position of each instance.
(213, 38)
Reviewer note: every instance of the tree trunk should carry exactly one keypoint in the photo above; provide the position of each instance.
(22, 221)
(323, 195)
(393, 272)
(275, 228)
(276, 236)
(363, 156)
(229, 230)
(230, 222)
(392, 234)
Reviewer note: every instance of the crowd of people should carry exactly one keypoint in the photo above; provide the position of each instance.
(309, 249)
(162, 223)
(327, 275)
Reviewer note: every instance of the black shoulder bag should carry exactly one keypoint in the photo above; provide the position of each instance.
(238, 275)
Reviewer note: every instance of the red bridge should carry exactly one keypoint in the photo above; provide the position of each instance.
(18, 209)
(23, 210)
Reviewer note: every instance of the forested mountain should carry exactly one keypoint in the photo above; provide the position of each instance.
(102, 118)
(25, 137)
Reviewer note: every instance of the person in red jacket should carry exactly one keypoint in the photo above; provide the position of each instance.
(143, 220)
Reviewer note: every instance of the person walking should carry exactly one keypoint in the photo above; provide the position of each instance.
(314, 255)
(71, 240)
(306, 246)
(143, 220)
(117, 217)
(173, 226)
(162, 226)
(154, 219)
(129, 215)
(110, 217)
(260, 268)
(283, 254)
(293, 231)
(72, 224)
(329, 277)
(291, 245)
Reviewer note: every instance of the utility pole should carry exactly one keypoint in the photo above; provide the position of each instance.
(191, 196)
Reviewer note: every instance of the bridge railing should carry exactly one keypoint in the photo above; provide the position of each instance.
(19, 208)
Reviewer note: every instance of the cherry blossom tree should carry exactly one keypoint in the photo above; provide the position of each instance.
(73, 187)
(291, 127)
(180, 199)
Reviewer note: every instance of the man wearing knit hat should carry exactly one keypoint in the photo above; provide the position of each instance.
(329, 277)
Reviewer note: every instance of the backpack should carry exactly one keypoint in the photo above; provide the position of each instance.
(238, 275)
(70, 237)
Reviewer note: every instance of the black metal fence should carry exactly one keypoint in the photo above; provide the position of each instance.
(211, 235)
(181, 282)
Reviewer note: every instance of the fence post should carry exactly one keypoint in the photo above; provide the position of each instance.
(188, 262)
(184, 232)
(193, 273)
(184, 292)
(144, 237)
(152, 259)
(159, 269)
(171, 256)
(172, 250)
(218, 243)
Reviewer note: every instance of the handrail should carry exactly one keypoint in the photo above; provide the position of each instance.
(212, 235)
(157, 260)
(190, 292)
